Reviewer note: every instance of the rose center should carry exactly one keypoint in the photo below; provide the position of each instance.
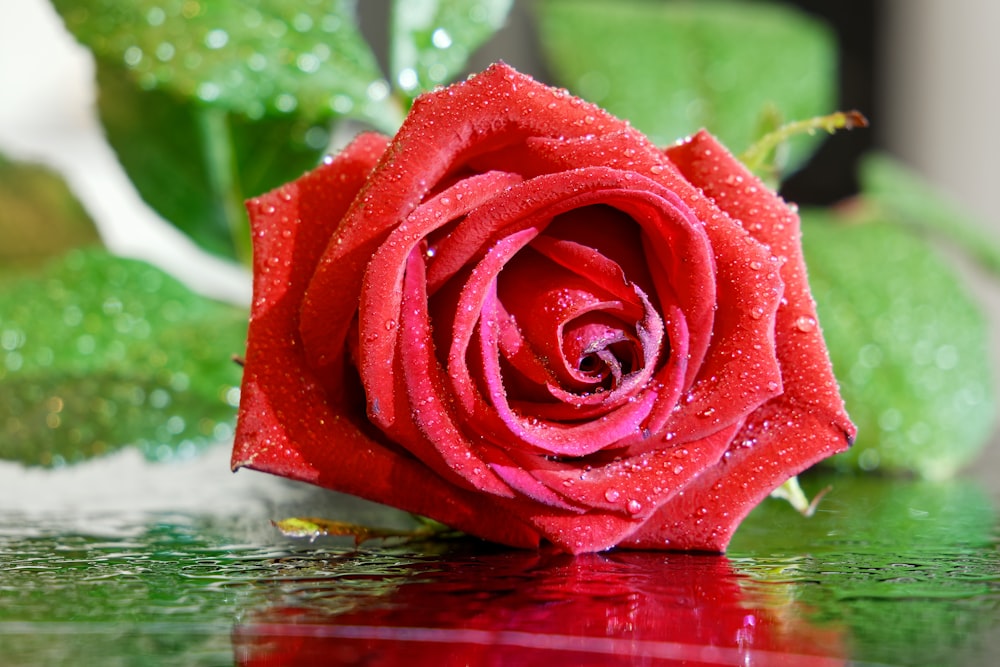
(607, 362)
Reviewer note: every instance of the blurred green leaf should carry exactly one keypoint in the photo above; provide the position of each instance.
(39, 217)
(909, 347)
(208, 104)
(431, 40)
(98, 352)
(251, 57)
(905, 197)
(195, 164)
(673, 68)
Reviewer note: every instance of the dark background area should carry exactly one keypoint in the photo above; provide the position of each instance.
(830, 175)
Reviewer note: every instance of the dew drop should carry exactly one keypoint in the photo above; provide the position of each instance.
(805, 323)
(216, 39)
(441, 39)
(341, 103)
(869, 460)
(611, 495)
(257, 62)
(165, 51)
(133, 56)
(377, 90)
(634, 507)
(155, 16)
(307, 62)
(330, 23)
(209, 91)
(407, 79)
(437, 72)
(302, 22)
(286, 102)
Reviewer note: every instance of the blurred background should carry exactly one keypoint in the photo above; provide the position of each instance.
(922, 71)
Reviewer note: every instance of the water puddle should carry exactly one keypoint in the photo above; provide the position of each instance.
(896, 573)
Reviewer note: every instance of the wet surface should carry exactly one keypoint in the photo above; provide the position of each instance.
(887, 572)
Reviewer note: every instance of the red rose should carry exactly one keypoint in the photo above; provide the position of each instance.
(522, 319)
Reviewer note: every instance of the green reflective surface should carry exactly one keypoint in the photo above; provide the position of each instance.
(887, 572)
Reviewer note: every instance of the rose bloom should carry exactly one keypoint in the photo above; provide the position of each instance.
(522, 319)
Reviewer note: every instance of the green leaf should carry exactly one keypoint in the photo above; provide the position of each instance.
(39, 217)
(905, 197)
(98, 352)
(250, 57)
(207, 104)
(673, 68)
(432, 39)
(196, 164)
(909, 347)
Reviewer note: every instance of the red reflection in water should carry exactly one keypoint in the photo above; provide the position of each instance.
(518, 608)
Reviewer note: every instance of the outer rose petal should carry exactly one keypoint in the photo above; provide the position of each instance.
(289, 425)
(789, 433)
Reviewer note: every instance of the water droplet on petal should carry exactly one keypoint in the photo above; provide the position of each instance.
(805, 323)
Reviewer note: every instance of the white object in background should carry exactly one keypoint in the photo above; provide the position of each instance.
(47, 115)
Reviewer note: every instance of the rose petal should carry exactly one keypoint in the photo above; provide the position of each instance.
(428, 427)
(722, 323)
(803, 425)
(544, 198)
(550, 302)
(381, 291)
(499, 106)
(635, 486)
(289, 425)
